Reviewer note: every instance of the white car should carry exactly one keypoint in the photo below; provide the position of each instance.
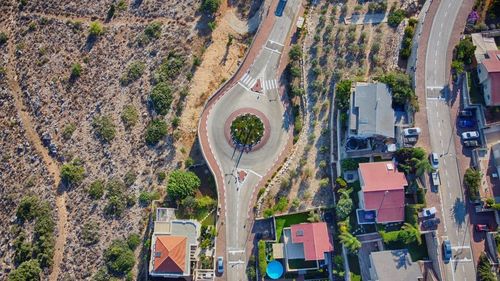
(434, 160)
(429, 212)
(471, 135)
(411, 132)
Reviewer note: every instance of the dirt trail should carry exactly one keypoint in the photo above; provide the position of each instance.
(219, 63)
(34, 139)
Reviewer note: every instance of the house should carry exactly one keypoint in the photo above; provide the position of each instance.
(305, 245)
(489, 77)
(174, 245)
(394, 265)
(382, 191)
(483, 46)
(371, 114)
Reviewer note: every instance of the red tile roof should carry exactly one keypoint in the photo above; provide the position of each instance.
(492, 65)
(383, 190)
(314, 237)
(170, 254)
(381, 176)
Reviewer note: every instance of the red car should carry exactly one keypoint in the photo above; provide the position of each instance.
(483, 228)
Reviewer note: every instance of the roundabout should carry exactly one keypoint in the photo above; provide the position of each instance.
(247, 129)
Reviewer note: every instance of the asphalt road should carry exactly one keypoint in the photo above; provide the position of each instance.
(256, 164)
(442, 133)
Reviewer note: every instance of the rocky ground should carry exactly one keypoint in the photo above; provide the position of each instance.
(46, 39)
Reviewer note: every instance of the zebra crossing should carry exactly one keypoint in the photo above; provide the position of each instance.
(270, 84)
(247, 80)
(266, 85)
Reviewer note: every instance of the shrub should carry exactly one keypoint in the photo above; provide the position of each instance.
(145, 198)
(324, 182)
(396, 17)
(129, 116)
(400, 85)
(3, 38)
(344, 206)
(134, 72)
(68, 130)
(281, 205)
(349, 164)
(161, 98)
(205, 202)
(465, 50)
(170, 68)
(472, 180)
(117, 198)
(95, 29)
(295, 52)
(133, 240)
(73, 172)
(96, 189)
(343, 94)
(119, 258)
(130, 178)
(27, 271)
(76, 70)
(101, 275)
(340, 182)
(262, 257)
(484, 269)
(182, 184)
(155, 131)
(90, 233)
(104, 127)
(411, 214)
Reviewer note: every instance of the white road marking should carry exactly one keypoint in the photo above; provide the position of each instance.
(236, 262)
(255, 173)
(236, 251)
(275, 83)
(273, 42)
(272, 50)
(245, 78)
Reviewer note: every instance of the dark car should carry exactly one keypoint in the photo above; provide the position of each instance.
(446, 250)
(466, 113)
(471, 143)
(280, 8)
(466, 123)
(430, 223)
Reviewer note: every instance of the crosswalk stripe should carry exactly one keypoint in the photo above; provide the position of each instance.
(267, 85)
(252, 82)
(246, 78)
(275, 84)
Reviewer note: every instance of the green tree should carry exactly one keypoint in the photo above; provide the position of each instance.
(161, 98)
(76, 70)
(27, 271)
(484, 269)
(95, 29)
(134, 72)
(400, 85)
(182, 184)
(410, 233)
(344, 205)
(295, 52)
(205, 202)
(119, 258)
(101, 275)
(28, 208)
(104, 127)
(3, 38)
(210, 6)
(472, 180)
(422, 166)
(396, 17)
(189, 203)
(153, 30)
(465, 50)
(73, 172)
(350, 242)
(313, 217)
(90, 233)
(457, 66)
(343, 94)
(155, 131)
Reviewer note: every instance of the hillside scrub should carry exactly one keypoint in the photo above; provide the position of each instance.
(155, 131)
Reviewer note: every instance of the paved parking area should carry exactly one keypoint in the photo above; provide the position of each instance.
(371, 242)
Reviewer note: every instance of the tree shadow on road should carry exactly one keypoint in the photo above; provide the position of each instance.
(459, 212)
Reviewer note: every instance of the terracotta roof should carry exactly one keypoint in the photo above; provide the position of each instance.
(390, 205)
(492, 63)
(383, 190)
(314, 237)
(381, 176)
(170, 254)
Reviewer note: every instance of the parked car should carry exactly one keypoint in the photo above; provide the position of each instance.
(483, 228)
(466, 123)
(434, 157)
(428, 213)
(446, 250)
(471, 143)
(470, 135)
(465, 113)
(436, 181)
(220, 265)
(411, 132)
(411, 139)
(430, 223)
(280, 8)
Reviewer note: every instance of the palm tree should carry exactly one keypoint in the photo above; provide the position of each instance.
(422, 166)
(411, 233)
(350, 241)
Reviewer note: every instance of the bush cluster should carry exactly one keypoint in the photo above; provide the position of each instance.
(73, 172)
(134, 72)
(406, 45)
(155, 131)
(396, 17)
(182, 184)
(343, 94)
(401, 88)
(104, 127)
